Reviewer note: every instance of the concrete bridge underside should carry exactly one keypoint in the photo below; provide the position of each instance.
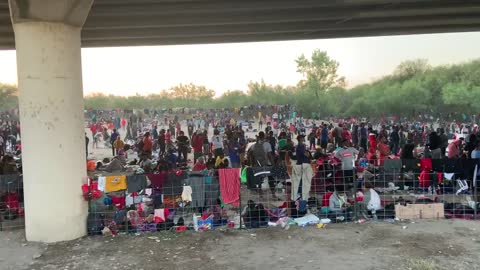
(159, 22)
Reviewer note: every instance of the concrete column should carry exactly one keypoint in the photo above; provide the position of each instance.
(52, 123)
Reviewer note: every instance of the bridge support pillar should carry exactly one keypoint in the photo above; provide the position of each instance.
(48, 46)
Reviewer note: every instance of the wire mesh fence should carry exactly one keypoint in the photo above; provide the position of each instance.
(280, 195)
(11, 202)
(256, 197)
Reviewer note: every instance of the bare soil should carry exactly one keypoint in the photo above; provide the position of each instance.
(445, 244)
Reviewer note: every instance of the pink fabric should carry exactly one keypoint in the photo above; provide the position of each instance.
(230, 186)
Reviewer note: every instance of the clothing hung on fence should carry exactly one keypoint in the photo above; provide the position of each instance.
(115, 183)
(187, 194)
(197, 181)
(157, 180)
(102, 180)
(230, 186)
(174, 183)
(302, 173)
(136, 183)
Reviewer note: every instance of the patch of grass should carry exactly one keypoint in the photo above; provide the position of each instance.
(422, 264)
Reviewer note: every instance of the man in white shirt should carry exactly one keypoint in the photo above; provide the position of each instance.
(217, 141)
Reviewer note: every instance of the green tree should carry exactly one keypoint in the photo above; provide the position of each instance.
(410, 68)
(319, 73)
(191, 91)
(8, 96)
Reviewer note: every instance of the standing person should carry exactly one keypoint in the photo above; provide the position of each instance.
(147, 146)
(454, 148)
(206, 145)
(87, 140)
(324, 137)
(217, 142)
(383, 150)
(168, 137)
(154, 133)
(346, 134)
(179, 128)
(394, 140)
(162, 141)
(93, 129)
(272, 141)
(355, 136)
(233, 152)
(113, 138)
(197, 145)
(476, 152)
(242, 144)
(260, 155)
(363, 136)
(338, 135)
(118, 145)
(444, 142)
(434, 144)
(190, 129)
(182, 144)
(347, 155)
(311, 139)
(2, 144)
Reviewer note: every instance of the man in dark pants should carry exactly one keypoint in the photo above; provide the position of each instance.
(87, 140)
(113, 138)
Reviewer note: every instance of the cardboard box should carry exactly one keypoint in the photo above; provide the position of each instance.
(420, 211)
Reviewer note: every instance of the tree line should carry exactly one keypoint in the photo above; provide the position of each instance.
(414, 87)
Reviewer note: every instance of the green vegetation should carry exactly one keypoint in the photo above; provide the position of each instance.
(414, 87)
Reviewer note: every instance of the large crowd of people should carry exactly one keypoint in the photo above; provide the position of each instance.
(303, 161)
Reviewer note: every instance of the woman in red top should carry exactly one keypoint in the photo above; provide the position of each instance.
(147, 146)
(383, 150)
(346, 134)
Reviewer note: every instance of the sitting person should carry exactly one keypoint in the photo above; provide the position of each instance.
(199, 165)
(337, 201)
(371, 202)
(7, 165)
(114, 166)
(122, 156)
(146, 165)
(255, 216)
(219, 215)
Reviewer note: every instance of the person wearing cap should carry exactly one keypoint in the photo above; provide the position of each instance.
(347, 155)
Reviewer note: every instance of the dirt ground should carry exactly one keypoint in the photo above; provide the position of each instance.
(424, 245)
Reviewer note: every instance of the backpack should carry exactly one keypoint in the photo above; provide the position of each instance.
(259, 156)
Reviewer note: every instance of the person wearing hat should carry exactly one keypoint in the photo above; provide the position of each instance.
(347, 155)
